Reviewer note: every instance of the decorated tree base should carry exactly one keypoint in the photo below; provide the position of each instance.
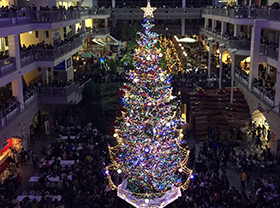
(147, 201)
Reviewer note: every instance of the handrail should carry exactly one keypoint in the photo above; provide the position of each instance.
(10, 17)
(240, 13)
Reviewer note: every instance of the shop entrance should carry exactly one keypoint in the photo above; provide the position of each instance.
(260, 122)
(8, 154)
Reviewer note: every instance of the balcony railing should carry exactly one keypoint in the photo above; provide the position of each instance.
(32, 55)
(263, 95)
(7, 66)
(269, 14)
(9, 114)
(30, 98)
(101, 31)
(269, 52)
(160, 13)
(240, 44)
(242, 78)
(70, 94)
(26, 17)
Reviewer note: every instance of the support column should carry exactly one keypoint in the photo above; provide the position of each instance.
(17, 90)
(206, 22)
(95, 3)
(232, 54)
(254, 52)
(113, 3)
(45, 75)
(237, 30)
(14, 49)
(214, 24)
(83, 25)
(106, 22)
(183, 27)
(223, 28)
(73, 29)
(183, 3)
(222, 49)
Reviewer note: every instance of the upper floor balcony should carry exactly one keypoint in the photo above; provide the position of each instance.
(7, 66)
(269, 51)
(232, 43)
(259, 91)
(12, 18)
(160, 13)
(42, 55)
(72, 94)
(250, 13)
(10, 113)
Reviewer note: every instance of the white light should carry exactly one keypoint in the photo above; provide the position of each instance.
(160, 55)
(119, 171)
(147, 201)
(148, 58)
(127, 124)
(168, 124)
(135, 80)
(180, 170)
(30, 32)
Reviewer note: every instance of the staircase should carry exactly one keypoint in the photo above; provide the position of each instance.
(209, 114)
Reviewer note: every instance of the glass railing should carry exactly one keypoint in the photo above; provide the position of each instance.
(101, 31)
(26, 17)
(239, 44)
(269, 14)
(263, 94)
(8, 114)
(268, 51)
(242, 78)
(7, 66)
(30, 98)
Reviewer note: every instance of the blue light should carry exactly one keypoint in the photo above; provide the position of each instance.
(102, 60)
(147, 150)
(192, 177)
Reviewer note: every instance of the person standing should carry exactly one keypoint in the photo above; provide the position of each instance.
(34, 160)
(19, 180)
(243, 179)
(23, 155)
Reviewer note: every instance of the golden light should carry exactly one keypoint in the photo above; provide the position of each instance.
(148, 10)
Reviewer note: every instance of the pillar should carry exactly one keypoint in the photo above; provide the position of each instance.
(113, 3)
(45, 75)
(183, 27)
(83, 25)
(254, 52)
(209, 58)
(237, 30)
(232, 54)
(106, 22)
(73, 29)
(183, 3)
(17, 90)
(206, 23)
(277, 90)
(223, 28)
(14, 50)
(214, 24)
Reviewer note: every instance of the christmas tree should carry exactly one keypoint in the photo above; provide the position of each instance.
(149, 164)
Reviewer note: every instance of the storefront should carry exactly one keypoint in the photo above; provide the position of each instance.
(14, 143)
(267, 138)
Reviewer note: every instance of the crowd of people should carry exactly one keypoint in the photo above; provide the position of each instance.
(265, 81)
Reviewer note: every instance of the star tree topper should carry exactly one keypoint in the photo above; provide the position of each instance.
(148, 10)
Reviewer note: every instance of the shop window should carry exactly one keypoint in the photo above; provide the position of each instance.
(47, 34)
(36, 34)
